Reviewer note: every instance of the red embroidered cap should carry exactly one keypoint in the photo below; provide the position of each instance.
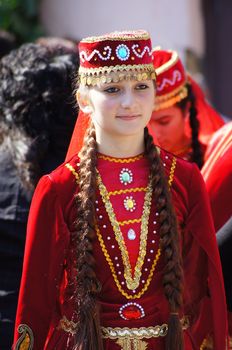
(171, 78)
(116, 56)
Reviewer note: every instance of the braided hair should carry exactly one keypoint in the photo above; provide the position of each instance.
(88, 335)
(197, 153)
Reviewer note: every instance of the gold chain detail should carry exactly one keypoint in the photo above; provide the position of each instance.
(121, 160)
(73, 171)
(67, 326)
(172, 170)
(127, 222)
(136, 189)
(110, 263)
(131, 282)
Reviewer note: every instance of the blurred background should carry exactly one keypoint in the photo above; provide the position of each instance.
(200, 30)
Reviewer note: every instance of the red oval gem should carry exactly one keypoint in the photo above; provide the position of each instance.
(132, 312)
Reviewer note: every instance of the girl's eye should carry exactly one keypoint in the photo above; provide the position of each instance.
(164, 121)
(111, 89)
(141, 87)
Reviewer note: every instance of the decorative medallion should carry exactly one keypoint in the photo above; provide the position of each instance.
(131, 311)
(129, 203)
(123, 52)
(131, 234)
(126, 176)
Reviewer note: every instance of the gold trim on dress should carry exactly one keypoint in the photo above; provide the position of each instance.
(121, 160)
(133, 338)
(132, 282)
(26, 340)
(67, 326)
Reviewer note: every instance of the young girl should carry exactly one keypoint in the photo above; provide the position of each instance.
(183, 121)
(120, 251)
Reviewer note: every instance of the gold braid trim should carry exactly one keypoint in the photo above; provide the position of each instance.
(26, 340)
(128, 190)
(121, 160)
(131, 282)
(73, 171)
(172, 171)
(128, 222)
(111, 265)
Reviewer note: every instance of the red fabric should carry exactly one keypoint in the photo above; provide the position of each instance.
(139, 50)
(217, 172)
(78, 135)
(49, 264)
(209, 119)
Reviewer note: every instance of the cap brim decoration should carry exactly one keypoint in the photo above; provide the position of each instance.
(116, 56)
(171, 78)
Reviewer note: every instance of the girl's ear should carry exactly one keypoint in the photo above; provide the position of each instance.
(84, 103)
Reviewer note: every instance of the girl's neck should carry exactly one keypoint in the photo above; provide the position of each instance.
(122, 147)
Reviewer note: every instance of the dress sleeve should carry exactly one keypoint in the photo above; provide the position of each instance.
(46, 242)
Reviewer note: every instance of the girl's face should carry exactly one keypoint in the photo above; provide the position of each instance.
(120, 109)
(169, 127)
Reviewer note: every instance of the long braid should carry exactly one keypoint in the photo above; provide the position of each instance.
(88, 335)
(197, 155)
(169, 240)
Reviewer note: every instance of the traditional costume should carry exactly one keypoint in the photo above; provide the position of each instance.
(172, 81)
(129, 260)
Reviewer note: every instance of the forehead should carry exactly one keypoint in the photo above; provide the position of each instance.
(173, 112)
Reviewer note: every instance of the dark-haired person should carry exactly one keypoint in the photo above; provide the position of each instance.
(121, 251)
(37, 115)
(183, 121)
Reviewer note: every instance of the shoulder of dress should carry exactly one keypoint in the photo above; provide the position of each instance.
(67, 172)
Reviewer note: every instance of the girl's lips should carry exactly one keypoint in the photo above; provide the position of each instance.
(128, 117)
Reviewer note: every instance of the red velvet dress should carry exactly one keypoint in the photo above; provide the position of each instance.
(45, 308)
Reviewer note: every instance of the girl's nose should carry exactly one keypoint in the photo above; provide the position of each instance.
(128, 99)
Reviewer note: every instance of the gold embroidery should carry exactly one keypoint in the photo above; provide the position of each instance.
(67, 326)
(121, 160)
(73, 171)
(135, 333)
(26, 340)
(207, 343)
(132, 344)
(128, 222)
(131, 282)
(111, 265)
(136, 189)
(131, 338)
(172, 170)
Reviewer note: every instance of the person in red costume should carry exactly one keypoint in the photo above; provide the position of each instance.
(121, 251)
(183, 121)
